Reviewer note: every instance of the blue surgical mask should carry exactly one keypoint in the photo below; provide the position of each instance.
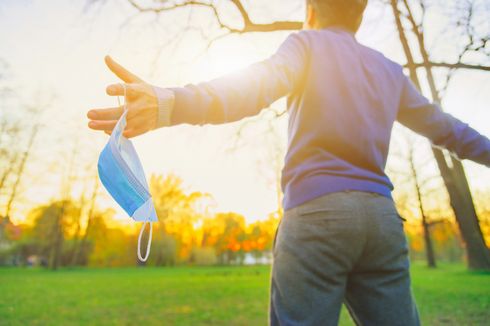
(122, 174)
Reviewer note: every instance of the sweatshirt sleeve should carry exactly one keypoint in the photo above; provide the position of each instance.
(444, 130)
(244, 93)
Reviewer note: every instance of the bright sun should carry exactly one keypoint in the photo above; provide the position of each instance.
(222, 60)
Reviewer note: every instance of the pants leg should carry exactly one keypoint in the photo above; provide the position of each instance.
(314, 251)
(378, 290)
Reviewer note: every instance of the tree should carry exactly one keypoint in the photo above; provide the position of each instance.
(10, 130)
(452, 172)
(19, 172)
(81, 246)
(226, 233)
(429, 249)
(177, 215)
(14, 131)
(50, 229)
(57, 227)
(422, 186)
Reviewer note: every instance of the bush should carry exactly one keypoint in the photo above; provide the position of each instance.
(204, 256)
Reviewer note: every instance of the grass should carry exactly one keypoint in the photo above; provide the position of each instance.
(203, 296)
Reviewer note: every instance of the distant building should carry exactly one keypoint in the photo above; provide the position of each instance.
(252, 259)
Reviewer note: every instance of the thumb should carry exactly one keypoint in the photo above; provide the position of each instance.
(121, 72)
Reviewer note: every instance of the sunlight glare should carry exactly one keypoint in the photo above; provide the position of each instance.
(220, 62)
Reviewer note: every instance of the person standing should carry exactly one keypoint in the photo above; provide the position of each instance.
(341, 238)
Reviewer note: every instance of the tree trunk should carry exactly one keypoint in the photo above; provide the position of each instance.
(54, 256)
(429, 250)
(76, 237)
(21, 169)
(90, 213)
(454, 178)
(478, 254)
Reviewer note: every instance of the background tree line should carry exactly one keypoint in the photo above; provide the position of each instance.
(74, 232)
(442, 212)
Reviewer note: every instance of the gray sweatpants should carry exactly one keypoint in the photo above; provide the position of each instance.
(342, 247)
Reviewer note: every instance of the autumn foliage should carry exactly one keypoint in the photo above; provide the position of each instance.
(67, 233)
(60, 233)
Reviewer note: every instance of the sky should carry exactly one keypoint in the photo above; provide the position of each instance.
(55, 50)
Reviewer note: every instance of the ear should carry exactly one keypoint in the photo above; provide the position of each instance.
(358, 23)
(310, 20)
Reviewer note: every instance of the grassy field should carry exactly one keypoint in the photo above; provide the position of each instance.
(203, 296)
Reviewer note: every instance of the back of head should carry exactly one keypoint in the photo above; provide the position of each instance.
(341, 13)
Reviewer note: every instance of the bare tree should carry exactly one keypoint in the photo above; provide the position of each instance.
(13, 130)
(451, 169)
(246, 24)
(274, 157)
(66, 189)
(10, 128)
(76, 236)
(21, 167)
(424, 186)
(10, 158)
(90, 216)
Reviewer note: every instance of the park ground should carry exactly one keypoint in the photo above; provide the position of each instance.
(449, 295)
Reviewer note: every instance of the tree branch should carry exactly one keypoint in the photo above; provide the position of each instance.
(458, 65)
(249, 27)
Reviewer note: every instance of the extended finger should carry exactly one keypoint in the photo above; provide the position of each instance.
(120, 71)
(105, 114)
(118, 90)
(102, 124)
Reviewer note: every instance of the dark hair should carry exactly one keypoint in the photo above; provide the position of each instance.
(343, 13)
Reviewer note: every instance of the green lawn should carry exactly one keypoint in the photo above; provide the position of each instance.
(203, 296)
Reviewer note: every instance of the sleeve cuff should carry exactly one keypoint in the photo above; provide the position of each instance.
(166, 100)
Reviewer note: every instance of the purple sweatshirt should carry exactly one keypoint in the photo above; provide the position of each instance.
(343, 99)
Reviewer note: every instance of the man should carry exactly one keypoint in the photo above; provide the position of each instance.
(341, 238)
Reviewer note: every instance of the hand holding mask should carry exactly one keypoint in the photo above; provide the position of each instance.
(121, 173)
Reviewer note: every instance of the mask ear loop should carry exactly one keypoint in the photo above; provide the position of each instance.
(125, 106)
(148, 246)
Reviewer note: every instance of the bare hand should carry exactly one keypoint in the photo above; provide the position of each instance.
(141, 101)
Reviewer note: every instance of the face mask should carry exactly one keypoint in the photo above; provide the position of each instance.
(121, 173)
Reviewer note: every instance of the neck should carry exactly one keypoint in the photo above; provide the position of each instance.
(307, 26)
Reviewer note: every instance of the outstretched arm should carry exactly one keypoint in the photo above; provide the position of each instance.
(444, 130)
(243, 93)
(226, 99)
